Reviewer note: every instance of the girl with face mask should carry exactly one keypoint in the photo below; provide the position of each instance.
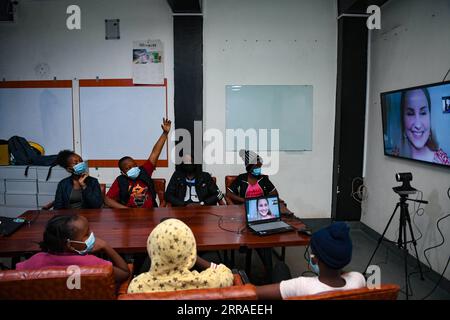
(68, 241)
(79, 190)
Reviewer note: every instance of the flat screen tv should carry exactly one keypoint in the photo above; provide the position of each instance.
(416, 123)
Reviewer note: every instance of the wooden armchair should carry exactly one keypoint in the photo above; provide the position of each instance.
(228, 182)
(238, 291)
(97, 283)
(160, 188)
(385, 292)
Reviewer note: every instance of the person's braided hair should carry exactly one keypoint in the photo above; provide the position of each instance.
(58, 229)
(63, 158)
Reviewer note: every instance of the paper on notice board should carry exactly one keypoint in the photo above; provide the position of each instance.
(148, 67)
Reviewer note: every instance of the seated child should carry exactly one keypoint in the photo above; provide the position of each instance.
(79, 190)
(331, 249)
(134, 187)
(190, 186)
(68, 241)
(173, 253)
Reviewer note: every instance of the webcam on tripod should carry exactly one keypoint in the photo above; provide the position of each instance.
(406, 188)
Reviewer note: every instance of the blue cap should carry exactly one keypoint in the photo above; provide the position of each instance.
(332, 245)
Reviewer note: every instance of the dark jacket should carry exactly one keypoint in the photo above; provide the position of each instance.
(240, 185)
(91, 196)
(207, 190)
(124, 190)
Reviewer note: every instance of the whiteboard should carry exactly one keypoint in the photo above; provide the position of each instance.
(121, 121)
(288, 108)
(42, 115)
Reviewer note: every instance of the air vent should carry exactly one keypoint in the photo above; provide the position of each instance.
(8, 10)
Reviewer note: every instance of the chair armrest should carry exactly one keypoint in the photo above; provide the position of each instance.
(228, 200)
(245, 292)
(123, 288)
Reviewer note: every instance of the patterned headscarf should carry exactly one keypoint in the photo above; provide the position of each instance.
(173, 252)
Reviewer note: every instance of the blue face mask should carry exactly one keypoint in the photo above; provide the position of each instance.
(80, 168)
(89, 244)
(133, 173)
(256, 171)
(314, 267)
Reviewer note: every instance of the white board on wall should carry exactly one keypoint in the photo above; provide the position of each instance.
(121, 121)
(288, 108)
(42, 115)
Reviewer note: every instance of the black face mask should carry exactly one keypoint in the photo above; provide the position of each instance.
(188, 168)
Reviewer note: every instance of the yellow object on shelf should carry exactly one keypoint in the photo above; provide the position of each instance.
(37, 146)
(4, 155)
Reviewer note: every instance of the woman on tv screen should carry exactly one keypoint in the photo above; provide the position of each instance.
(418, 141)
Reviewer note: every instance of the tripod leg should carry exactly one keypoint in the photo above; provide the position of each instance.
(382, 237)
(405, 253)
(414, 242)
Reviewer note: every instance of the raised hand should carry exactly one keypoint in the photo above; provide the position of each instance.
(166, 125)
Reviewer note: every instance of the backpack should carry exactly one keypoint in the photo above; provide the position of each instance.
(23, 154)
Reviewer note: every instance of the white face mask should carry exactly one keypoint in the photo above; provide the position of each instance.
(90, 242)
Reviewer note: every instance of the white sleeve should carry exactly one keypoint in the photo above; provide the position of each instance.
(291, 288)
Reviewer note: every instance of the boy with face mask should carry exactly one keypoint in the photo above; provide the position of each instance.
(134, 187)
(79, 190)
(68, 241)
(331, 250)
(189, 186)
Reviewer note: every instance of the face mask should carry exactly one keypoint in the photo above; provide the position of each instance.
(314, 267)
(80, 168)
(256, 172)
(188, 168)
(133, 173)
(89, 244)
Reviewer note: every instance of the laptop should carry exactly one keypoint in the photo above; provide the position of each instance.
(9, 225)
(263, 216)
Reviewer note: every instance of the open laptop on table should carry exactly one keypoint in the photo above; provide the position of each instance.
(263, 216)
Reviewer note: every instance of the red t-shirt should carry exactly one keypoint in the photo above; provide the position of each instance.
(140, 195)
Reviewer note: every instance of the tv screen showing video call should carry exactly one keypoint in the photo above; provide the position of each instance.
(416, 123)
(262, 208)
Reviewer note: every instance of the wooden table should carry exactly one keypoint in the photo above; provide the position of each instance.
(127, 230)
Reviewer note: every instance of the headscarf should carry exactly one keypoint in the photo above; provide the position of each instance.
(250, 159)
(173, 252)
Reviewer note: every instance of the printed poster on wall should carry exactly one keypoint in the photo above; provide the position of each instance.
(148, 67)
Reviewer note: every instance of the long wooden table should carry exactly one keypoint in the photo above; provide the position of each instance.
(127, 230)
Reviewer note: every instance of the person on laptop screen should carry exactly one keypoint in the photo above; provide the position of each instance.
(260, 209)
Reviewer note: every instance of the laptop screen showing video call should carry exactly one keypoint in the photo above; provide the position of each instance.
(262, 209)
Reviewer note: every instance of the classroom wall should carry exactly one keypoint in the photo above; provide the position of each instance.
(41, 36)
(288, 42)
(245, 42)
(412, 48)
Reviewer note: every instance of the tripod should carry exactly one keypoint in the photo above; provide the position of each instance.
(402, 242)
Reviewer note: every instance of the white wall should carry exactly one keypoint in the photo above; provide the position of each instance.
(297, 44)
(282, 42)
(41, 36)
(412, 48)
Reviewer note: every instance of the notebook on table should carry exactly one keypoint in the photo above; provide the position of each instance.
(263, 216)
